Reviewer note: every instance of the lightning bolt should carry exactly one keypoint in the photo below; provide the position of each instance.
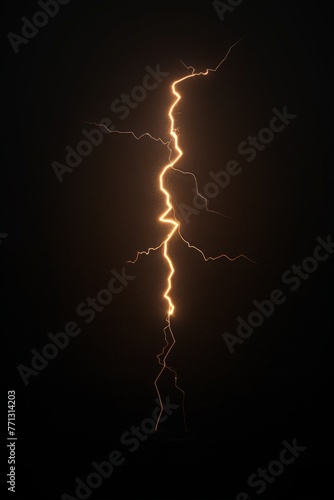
(168, 218)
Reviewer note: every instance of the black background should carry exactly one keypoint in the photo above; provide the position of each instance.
(65, 238)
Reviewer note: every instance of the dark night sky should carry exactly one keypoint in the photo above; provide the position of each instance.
(64, 239)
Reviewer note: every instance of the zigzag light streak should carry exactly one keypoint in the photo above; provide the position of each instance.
(168, 217)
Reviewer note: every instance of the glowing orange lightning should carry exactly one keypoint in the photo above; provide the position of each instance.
(168, 217)
(175, 226)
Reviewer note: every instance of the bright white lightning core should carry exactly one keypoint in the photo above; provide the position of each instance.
(169, 219)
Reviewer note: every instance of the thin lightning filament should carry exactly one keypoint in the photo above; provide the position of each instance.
(169, 219)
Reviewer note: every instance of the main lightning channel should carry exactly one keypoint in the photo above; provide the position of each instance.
(165, 218)
(168, 217)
